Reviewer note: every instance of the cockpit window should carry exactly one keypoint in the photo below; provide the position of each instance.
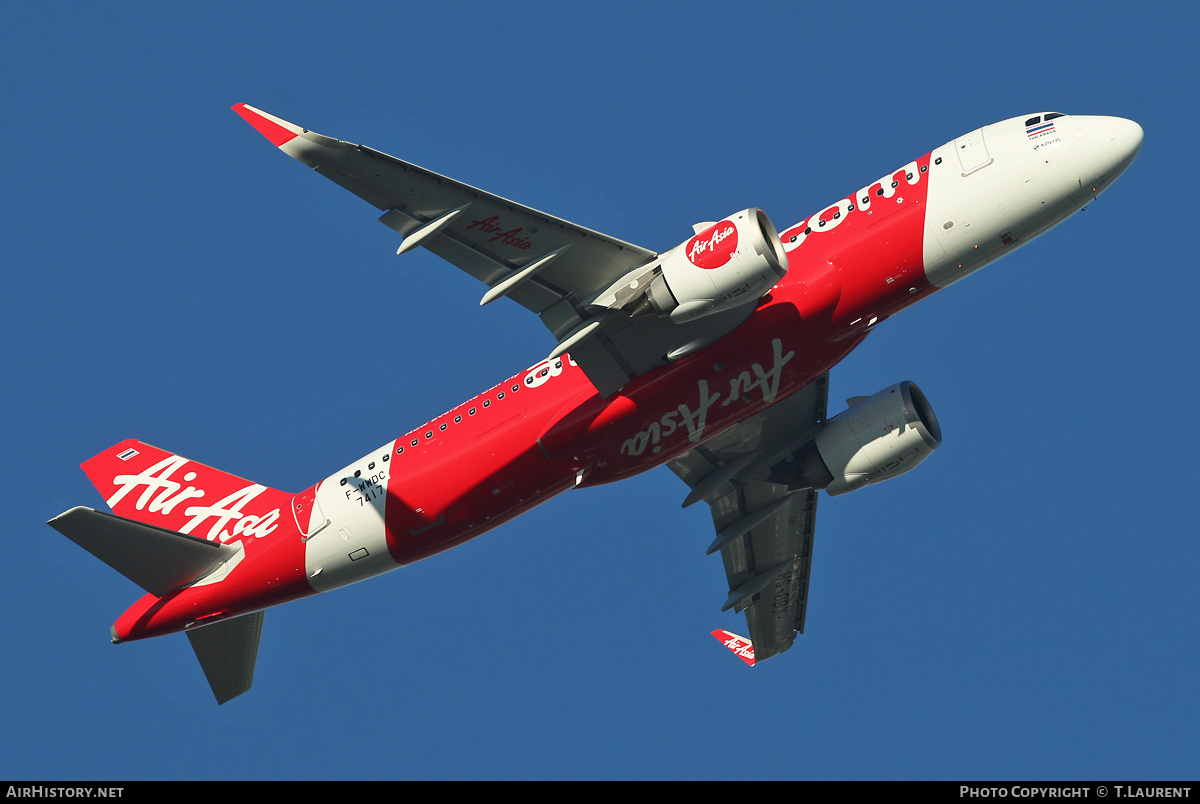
(1033, 121)
(1053, 115)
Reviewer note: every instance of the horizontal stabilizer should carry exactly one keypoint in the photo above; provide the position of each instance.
(228, 651)
(158, 560)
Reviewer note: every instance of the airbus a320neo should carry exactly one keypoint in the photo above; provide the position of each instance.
(711, 357)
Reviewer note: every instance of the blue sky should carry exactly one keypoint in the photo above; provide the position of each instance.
(1024, 605)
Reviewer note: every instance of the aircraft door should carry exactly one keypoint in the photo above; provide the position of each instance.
(972, 152)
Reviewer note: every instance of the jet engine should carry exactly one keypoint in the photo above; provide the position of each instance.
(724, 265)
(876, 439)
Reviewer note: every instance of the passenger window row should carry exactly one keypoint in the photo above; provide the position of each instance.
(487, 403)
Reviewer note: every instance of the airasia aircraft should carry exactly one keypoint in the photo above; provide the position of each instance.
(711, 357)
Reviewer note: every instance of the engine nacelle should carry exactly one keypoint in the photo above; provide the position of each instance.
(876, 439)
(726, 265)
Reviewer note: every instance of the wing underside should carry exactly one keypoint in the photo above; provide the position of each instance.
(764, 531)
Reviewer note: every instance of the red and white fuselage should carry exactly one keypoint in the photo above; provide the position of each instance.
(545, 430)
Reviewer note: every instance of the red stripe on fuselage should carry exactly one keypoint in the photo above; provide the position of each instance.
(478, 465)
(876, 250)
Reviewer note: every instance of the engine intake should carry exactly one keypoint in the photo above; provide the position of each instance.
(876, 439)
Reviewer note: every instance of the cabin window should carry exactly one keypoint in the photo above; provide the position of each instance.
(442, 426)
(457, 419)
(500, 396)
(487, 403)
(429, 434)
(415, 442)
(471, 412)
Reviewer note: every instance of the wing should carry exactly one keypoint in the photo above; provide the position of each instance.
(548, 265)
(764, 530)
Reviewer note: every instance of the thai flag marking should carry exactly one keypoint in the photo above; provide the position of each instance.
(127, 454)
(1044, 128)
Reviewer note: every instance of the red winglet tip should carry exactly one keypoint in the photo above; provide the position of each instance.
(277, 134)
(740, 645)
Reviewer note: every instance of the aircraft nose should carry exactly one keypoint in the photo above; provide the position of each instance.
(1103, 148)
(1123, 140)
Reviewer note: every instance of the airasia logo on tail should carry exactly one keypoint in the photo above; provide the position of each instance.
(161, 494)
(713, 247)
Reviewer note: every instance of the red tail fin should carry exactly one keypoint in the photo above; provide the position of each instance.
(156, 487)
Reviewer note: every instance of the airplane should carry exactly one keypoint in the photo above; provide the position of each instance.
(711, 357)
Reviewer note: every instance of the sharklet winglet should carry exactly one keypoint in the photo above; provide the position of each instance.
(740, 645)
(279, 132)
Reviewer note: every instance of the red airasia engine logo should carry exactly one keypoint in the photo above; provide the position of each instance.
(713, 247)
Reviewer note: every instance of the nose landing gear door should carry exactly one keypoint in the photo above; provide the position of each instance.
(307, 512)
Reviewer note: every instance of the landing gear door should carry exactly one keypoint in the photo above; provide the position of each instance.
(307, 511)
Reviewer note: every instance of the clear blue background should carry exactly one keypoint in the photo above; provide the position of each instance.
(1023, 605)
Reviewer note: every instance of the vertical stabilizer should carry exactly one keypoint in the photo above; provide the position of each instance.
(169, 491)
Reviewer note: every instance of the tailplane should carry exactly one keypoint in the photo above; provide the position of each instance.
(228, 651)
(158, 560)
(175, 524)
